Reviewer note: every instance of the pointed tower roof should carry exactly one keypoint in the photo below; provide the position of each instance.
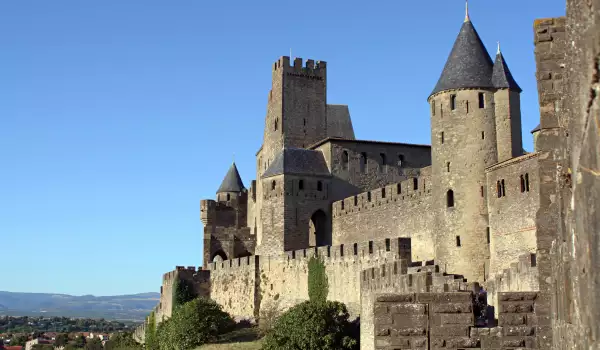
(469, 64)
(232, 181)
(501, 76)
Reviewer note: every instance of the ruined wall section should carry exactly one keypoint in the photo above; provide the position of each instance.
(199, 280)
(513, 201)
(359, 166)
(401, 209)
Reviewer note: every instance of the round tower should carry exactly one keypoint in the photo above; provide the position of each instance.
(463, 144)
(232, 187)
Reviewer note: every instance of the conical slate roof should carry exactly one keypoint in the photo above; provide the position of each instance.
(232, 181)
(469, 64)
(501, 76)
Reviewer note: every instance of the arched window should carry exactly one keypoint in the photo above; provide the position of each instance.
(400, 159)
(319, 186)
(398, 188)
(273, 183)
(450, 199)
(415, 184)
(452, 102)
(369, 196)
(345, 160)
(481, 100)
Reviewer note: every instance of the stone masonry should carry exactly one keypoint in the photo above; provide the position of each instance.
(412, 234)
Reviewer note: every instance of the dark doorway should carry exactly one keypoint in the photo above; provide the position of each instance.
(318, 232)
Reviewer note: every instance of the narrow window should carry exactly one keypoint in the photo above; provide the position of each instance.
(395, 267)
(458, 241)
(499, 188)
(228, 197)
(467, 106)
(533, 259)
(488, 235)
(450, 199)
(370, 247)
(442, 137)
(304, 121)
(345, 160)
(503, 189)
(432, 107)
(483, 135)
(341, 250)
(400, 159)
(363, 162)
(319, 186)
(452, 102)
(448, 167)
(355, 248)
(343, 204)
(522, 183)
(273, 183)
(369, 196)
(415, 184)
(383, 192)
(481, 100)
(276, 125)
(527, 182)
(301, 185)
(481, 191)
(355, 200)
(383, 161)
(387, 244)
(398, 188)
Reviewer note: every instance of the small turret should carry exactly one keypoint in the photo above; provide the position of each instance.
(232, 181)
(507, 109)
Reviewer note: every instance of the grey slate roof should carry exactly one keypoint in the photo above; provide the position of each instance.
(469, 64)
(232, 181)
(537, 128)
(298, 161)
(501, 76)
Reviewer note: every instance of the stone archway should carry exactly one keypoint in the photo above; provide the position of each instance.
(219, 256)
(318, 234)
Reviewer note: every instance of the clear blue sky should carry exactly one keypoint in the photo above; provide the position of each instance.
(118, 116)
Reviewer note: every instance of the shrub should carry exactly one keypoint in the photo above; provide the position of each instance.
(150, 336)
(268, 316)
(121, 341)
(193, 324)
(318, 286)
(313, 325)
(183, 292)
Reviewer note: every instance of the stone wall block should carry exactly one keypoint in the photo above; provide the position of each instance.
(516, 307)
(453, 308)
(512, 319)
(449, 297)
(405, 321)
(408, 308)
(450, 330)
(400, 298)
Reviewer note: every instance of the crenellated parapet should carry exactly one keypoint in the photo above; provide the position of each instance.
(311, 69)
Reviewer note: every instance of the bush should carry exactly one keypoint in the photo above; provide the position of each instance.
(318, 286)
(313, 325)
(150, 337)
(122, 341)
(193, 324)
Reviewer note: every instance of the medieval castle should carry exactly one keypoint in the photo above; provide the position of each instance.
(415, 223)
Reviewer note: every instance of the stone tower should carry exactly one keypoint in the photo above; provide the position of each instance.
(507, 101)
(234, 195)
(463, 138)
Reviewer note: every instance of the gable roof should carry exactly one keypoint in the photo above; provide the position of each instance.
(232, 181)
(298, 161)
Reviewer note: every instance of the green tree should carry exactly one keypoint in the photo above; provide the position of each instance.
(79, 342)
(93, 344)
(193, 324)
(19, 340)
(42, 347)
(313, 325)
(61, 339)
(150, 336)
(183, 292)
(318, 286)
(120, 341)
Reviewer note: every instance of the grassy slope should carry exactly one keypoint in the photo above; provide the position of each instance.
(240, 339)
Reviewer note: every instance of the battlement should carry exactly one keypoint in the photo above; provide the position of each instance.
(311, 69)
(187, 273)
(245, 262)
(412, 189)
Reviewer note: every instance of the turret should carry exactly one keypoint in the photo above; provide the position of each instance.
(463, 136)
(507, 100)
(232, 193)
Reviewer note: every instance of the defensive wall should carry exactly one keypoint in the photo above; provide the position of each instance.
(513, 201)
(444, 320)
(400, 209)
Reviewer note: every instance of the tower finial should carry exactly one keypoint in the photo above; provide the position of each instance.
(498, 47)
(467, 19)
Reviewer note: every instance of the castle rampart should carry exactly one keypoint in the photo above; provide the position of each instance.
(402, 209)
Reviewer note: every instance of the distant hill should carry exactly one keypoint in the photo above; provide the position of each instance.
(120, 307)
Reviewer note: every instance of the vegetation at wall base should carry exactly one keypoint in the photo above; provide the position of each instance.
(318, 286)
(313, 325)
(150, 337)
(193, 324)
(183, 292)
